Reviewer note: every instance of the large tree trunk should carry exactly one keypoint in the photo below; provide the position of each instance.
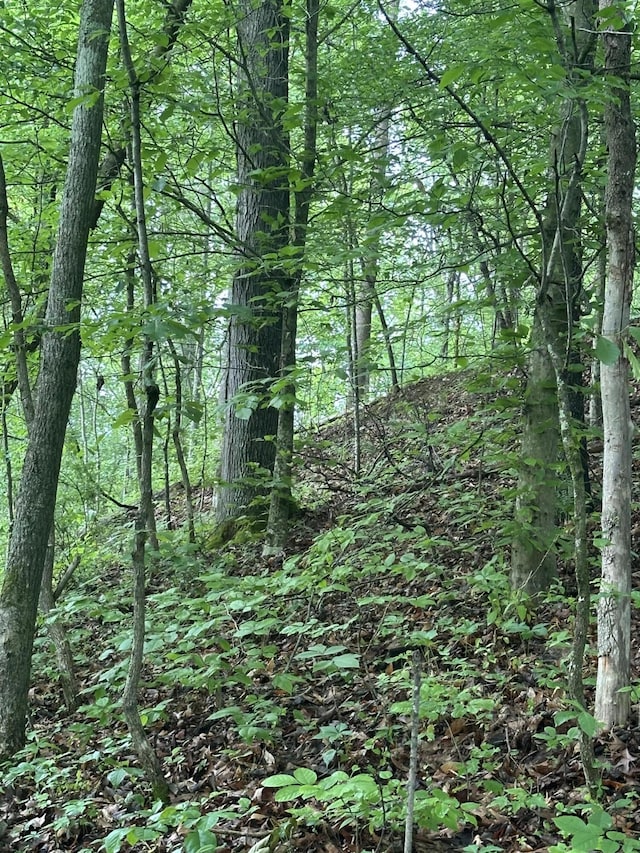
(56, 383)
(557, 304)
(614, 615)
(280, 500)
(262, 225)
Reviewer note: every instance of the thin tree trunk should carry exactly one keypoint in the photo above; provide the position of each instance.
(176, 434)
(57, 633)
(56, 383)
(366, 288)
(17, 317)
(143, 530)
(573, 456)
(595, 397)
(614, 614)
(167, 473)
(55, 627)
(8, 468)
(386, 334)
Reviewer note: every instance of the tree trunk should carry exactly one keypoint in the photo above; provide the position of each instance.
(366, 287)
(281, 501)
(614, 625)
(176, 434)
(262, 225)
(56, 385)
(145, 517)
(533, 562)
(557, 304)
(57, 633)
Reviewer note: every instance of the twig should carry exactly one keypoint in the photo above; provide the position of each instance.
(416, 671)
(66, 577)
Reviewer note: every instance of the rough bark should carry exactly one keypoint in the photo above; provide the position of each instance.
(56, 384)
(533, 557)
(573, 457)
(614, 625)
(280, 500)
(262, 225)
(57, 633)
(15, 298)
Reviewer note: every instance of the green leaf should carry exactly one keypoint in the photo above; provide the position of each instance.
(606, 351)
(200, 841)
(124, 418)
(113, 842)
(305, 776)
(285, 682)
(346, 661)
(291, 792)
(451, 75)
(279, 780)
(584, 837)
(88, 100)
(193, 163)
(587, 723)
(117, 776)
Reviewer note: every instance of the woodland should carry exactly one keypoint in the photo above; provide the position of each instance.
(319, 377)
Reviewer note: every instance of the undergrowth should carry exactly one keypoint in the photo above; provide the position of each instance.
(278, 694)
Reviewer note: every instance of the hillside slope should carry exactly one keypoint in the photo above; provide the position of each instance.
(279, 692)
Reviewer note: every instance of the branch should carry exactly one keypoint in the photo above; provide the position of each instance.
(477, 121)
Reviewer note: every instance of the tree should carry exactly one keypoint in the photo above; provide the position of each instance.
(262, 230)
(280, 499)
(366, 287)
(614, 607)
(57, 380)
(556, 310)
(145, 519)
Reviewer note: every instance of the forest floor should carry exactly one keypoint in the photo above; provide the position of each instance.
(278, 692)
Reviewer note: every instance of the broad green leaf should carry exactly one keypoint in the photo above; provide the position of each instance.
(124, 418)
(587, 723)
(346, 661)
(584, 837)
(117, 776)
(285, 682)
(451, 75)
(606, 351)
(305, 776)
(113, 842)
(279, 780)
(200, 841)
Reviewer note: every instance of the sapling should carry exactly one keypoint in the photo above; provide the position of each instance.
(416, 671)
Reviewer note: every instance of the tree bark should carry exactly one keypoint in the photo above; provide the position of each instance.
(262, 225)
(176, 434)
(533, 560)
(280, 500)
(614, 615)
(56, 384)
(145, 517)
